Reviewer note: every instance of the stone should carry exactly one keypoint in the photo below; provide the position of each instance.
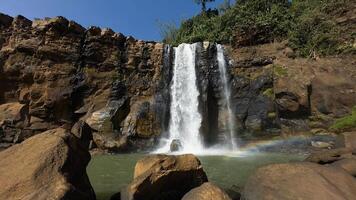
(164, 177)
(14, 113)
(234, 192)
(83, 132)
(349, 140)
(51, 165)
(322, 145)
(348, 164)
(300, 181)
(328, 156)
(207, 191)
(176, 145)
(110, 144)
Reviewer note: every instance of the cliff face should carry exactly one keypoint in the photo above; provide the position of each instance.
(273, 89)
(55, 72)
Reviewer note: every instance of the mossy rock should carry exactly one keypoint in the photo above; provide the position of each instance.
(272, 115)
(345, 123)
(280, 71)
(269, 93)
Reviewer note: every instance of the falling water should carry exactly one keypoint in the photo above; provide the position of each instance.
(230, 136)
(185, 120)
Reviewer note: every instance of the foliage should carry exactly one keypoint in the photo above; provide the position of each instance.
(269, 93)
(203, 3)
(314, 32)
(169, 32)
(309, 25)
(265, 20)
(347, 122)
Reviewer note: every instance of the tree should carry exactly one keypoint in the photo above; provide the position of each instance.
(203, 4)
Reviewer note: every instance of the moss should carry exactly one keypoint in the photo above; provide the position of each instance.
(345, 123)
(269, 93)
(279, 71)
(272, 115)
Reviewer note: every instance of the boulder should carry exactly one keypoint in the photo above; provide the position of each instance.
(51, 165)
(349, 140)
(176, 145)
(300, 181)
(14, 114)
(207, 191)
(83, 132)
(164, 177)
(348, 164)
(329, 156)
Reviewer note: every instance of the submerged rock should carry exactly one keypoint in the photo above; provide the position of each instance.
(207, 191)
(300, 181)
(176, 145)
(164, 177)
(51, 165)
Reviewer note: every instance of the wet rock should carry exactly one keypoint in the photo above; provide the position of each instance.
(234, 192)
(322, 145)
(111, 144)
(329, 156)
(54, 167)
(207, 191)
(176, 145)
(164, 177)
(300, 181)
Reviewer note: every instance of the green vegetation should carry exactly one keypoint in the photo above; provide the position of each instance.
(314, 30)
(272, 115)
(345, 123)
(310, 26)
(279, 71)
(269, 93)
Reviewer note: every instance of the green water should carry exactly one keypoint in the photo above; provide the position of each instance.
(109, 173)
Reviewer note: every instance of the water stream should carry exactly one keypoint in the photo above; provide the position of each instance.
(230, 139)
(185, 120)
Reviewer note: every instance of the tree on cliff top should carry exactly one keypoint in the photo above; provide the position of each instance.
(203, 4)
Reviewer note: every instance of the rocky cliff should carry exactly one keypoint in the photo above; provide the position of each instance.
(55, 73)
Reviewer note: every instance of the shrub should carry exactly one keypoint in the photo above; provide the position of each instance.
(345, 123)
(310, 26)
(313, 31)
(258, 21)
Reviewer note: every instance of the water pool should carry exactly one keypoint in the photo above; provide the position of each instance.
(109, 173)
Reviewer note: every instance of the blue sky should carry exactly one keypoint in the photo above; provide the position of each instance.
(138, 18)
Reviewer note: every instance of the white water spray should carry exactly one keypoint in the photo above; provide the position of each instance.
(185, 120)
(230, 136)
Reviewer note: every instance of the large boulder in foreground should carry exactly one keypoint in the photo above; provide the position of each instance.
(304, 181)
(164, 177)
(207, 191)
(51, 165)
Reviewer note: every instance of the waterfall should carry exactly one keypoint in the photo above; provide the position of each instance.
(185, 120)
(230, 139)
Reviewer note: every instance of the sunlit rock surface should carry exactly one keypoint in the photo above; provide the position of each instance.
(51, 165)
